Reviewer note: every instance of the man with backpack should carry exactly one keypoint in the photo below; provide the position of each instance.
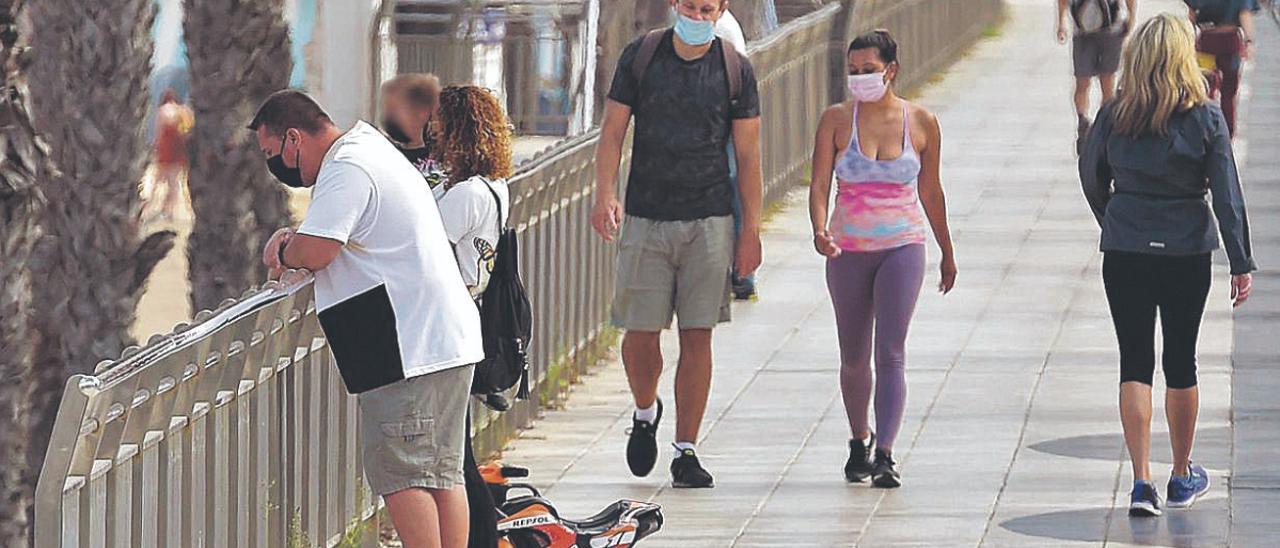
(1095, 48)
(689, 92)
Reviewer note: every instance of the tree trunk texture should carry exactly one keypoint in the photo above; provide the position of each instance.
(89, 93)
(652, 14)
(239, 54)
(25, 160)
(757, 17)
(617, 29)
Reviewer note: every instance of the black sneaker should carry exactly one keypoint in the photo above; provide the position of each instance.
(884, 472)
(642, 447)
(858, 466)
(744, 289)
(687, 472)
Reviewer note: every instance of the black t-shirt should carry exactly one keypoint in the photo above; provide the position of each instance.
(679, 160)
(1220, 12)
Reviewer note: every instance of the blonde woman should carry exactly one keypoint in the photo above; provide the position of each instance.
(1154, 154)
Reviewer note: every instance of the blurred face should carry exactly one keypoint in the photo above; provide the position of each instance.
(868, 61)
(700, 10)
(399, 121)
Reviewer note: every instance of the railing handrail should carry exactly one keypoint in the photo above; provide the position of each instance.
(793, 26)
(135, 360)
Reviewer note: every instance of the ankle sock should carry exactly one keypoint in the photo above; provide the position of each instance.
(680, 447)
(648, 415)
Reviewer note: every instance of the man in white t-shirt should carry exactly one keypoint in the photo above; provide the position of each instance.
(399, 321)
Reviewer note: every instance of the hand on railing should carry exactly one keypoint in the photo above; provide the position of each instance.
(271, 251)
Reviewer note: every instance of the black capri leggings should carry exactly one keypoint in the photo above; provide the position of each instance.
(1139, 284)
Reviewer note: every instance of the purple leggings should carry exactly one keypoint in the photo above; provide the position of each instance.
(876, 288)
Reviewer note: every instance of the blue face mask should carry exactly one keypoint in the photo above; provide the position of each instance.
(694, 32)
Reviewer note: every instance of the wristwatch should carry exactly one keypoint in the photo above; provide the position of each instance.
(280, 254)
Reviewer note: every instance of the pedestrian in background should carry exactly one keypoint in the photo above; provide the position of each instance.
(677, 245)
(174, 121)
(402, 329)
(1151, 158)
(409, 105)
(1226, 36)
(1096, 42)
(728, 30)
(885, 154)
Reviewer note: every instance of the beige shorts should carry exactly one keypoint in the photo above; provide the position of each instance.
(414, 431)
(673, 267)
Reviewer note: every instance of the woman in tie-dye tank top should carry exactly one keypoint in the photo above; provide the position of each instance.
(883, 152)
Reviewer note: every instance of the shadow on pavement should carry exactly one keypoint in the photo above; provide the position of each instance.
(1202, 525)
(1212, 449)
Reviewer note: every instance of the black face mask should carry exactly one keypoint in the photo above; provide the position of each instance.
(290, 176)
(394, 132)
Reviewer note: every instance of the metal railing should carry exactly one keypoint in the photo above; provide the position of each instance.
(236, 431)
(231, 431)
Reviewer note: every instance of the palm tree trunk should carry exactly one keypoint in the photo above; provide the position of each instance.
(89, 93)
(25, 160)
(239, 54)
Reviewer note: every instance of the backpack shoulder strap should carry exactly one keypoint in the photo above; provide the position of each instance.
(645, 56)
(732, 68)
(496, 200)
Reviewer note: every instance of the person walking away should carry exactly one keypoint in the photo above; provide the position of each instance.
(1226, 34)
(677, 247)
(475, 137)
(409, 105)
(1098, 36)
(402, 329)
(1149, 161)
(728, 30)
(884, 153)
(174, 121)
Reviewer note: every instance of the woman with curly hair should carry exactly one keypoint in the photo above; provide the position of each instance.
(475, 143)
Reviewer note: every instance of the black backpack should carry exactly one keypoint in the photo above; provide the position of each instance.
(506, 320)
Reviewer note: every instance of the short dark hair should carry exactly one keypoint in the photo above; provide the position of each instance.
(421, 90)
(290, 108)
(881, 40)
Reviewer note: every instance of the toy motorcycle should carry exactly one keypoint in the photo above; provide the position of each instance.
(531, 521)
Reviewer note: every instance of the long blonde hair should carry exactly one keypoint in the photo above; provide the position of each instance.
(1160, 77)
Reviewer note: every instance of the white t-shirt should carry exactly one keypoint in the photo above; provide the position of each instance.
(471, 221)
(392, 303)
(728, 29)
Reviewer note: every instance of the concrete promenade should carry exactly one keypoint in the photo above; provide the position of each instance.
(1012, 437)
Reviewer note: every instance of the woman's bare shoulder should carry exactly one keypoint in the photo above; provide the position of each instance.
(836, 113)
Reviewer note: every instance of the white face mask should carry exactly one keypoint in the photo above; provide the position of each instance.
(868, 88)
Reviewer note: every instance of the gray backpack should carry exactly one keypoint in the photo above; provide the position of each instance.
(1094, 15)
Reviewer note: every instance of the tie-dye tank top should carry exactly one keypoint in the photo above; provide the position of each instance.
(877, 206)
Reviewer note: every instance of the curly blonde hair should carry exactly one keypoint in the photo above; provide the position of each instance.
(474, 134)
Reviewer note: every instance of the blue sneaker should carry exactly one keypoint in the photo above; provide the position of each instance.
(1184, 490)
(1144, 501)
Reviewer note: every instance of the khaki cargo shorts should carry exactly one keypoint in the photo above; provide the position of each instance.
(413, 432)
(673, 267)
